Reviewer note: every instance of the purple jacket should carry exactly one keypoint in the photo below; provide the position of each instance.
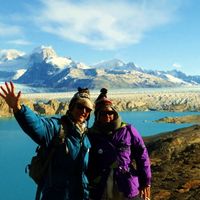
(120, 151)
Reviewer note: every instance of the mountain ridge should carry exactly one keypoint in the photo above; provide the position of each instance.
(44, 68)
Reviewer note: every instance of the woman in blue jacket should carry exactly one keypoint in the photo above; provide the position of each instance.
(67, 180)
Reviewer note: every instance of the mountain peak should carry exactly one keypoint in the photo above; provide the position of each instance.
(42, 53)
(176, 72)
(116, 64)
(109, 64)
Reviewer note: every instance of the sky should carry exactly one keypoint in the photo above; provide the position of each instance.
(153, 34)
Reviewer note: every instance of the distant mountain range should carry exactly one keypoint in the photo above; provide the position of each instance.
(44, 68)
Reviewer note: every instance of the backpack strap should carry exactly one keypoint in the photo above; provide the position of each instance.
(63, 132)
(38, 192)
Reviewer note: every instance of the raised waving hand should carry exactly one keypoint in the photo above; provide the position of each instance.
(8, 94)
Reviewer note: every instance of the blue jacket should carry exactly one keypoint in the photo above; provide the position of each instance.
(68, 180)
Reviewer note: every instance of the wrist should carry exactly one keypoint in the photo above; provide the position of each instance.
(149, 185)
(17, 108)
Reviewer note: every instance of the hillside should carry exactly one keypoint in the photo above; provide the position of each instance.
(175, 164)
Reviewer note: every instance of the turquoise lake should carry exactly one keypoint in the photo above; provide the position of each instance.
(16, 150)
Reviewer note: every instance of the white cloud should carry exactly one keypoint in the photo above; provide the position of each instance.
(19, 42)
(177, 65)
(9, 30)
(104, 24)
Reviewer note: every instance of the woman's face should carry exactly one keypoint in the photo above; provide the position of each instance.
(80, 113)
(106, 115)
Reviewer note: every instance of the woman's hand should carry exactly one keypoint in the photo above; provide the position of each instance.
(145, 193)
(8, 94)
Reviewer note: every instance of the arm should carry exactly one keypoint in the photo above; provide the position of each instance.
(140, 154)
(40, 129)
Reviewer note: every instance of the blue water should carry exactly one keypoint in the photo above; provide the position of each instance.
(16, 150)
(144, 121)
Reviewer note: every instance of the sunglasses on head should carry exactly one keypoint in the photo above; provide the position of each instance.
(105, 113)
(82, 107)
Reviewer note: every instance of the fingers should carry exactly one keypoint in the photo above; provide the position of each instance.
(7, 87)
(149, 191)
(141, 193)
(19, 94)
(146, 193)
(8, 90)
(4, 91)
(12, 86)
(2, 96)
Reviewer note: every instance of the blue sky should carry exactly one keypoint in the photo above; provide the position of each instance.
(154, 34)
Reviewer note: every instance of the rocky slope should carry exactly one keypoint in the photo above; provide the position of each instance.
(175, 164)
(51, 107)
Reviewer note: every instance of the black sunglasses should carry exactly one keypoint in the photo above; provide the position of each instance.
(82, 107)
(104, 113)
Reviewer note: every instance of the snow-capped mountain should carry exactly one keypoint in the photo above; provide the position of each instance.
(109, 64)
(47, 54)
(12, 60)
(13, 64)
(11, 54)
(116, 64)
(176, 77)
(44, 68)
(49, 70)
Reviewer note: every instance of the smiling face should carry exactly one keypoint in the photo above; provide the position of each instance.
(106, 115)
(80, 113)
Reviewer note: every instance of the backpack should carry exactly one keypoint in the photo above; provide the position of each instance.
(40, 163)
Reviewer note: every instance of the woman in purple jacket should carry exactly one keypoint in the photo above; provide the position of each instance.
(119, 165)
